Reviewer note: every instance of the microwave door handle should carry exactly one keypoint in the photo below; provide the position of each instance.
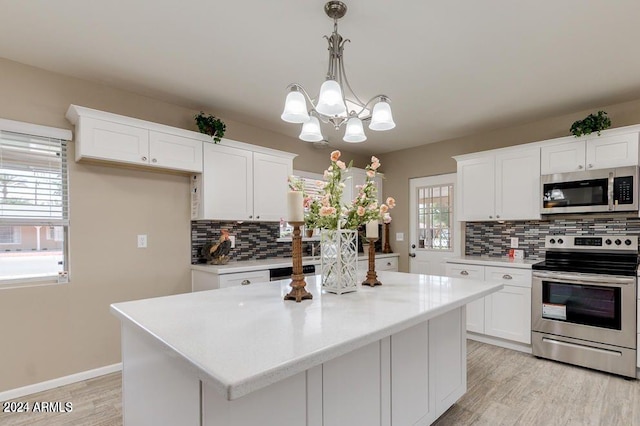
(610, 191)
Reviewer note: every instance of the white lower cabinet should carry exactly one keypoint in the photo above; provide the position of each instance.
(638, 316)
(201, 280)
(505, 314)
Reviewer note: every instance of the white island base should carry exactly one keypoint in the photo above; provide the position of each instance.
(408, 367)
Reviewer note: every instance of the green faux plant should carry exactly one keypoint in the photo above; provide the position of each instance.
(592, 123)
(210, 125)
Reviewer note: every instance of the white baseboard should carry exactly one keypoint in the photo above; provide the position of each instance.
(60, 381)
(496, 341)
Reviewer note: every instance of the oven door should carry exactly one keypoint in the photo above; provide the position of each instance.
(592, 307)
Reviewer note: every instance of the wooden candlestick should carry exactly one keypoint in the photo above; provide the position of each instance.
(387, 247)
(372, 277)
(298, 291)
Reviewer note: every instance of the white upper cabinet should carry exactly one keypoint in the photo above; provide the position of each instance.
(499, 185)
(590, 153)
(119, 139)
(239, 183)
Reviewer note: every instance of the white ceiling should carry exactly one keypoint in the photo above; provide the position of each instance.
(451, 68)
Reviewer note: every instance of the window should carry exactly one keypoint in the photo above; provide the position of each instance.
(435, 217)
(311, 189)
(33, 202)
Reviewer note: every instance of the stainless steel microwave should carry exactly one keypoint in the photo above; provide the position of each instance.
(605, 190)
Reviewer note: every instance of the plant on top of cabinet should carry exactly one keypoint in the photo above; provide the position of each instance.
(592, 123)
(210, 125)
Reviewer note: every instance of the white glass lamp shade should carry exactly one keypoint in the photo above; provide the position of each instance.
(311, 130)
(295, 108)
(330, 100)
(381, 118)
(354, 132)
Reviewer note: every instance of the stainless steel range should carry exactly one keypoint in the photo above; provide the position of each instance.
(583, 302)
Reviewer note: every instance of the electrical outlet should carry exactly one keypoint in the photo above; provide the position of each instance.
(232, 238)
(514, 242)
(399, 236)
(142, 241)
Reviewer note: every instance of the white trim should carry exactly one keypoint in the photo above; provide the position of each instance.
(35, 129)
(495, 341)
(60, 381)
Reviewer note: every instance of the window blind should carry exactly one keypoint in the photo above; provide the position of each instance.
(33, 180)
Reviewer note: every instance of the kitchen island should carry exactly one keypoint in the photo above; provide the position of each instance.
(394, 354)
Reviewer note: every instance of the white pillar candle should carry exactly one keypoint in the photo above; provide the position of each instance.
(372, 229)
(295, 206)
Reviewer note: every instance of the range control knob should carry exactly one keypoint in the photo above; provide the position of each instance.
(627, 242)
(552, 241)
(618, 242)
(560, 241)
(607, 242)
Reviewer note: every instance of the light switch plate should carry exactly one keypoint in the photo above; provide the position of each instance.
(514, 242)
(232, 238)
(399, 236)
(142, 241)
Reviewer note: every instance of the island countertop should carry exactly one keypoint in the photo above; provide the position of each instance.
(241, 339)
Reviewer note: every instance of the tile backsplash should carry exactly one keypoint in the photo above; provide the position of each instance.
(493, 238)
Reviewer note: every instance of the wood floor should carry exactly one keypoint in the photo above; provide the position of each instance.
(504, 388)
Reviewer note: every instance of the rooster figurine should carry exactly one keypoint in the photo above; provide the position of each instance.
(218, 253)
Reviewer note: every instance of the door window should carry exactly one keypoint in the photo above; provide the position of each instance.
(435, 217)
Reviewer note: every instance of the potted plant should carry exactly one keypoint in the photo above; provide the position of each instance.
(210, 125)
(592, 123)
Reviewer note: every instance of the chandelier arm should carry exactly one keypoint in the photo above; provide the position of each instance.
(381, 97)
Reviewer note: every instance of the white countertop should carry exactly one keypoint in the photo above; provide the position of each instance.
(257, 265)
(244, 338)
(494, 261)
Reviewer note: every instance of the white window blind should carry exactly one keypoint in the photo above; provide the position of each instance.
(33, 180)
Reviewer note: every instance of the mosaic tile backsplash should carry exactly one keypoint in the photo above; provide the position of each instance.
(493, 239)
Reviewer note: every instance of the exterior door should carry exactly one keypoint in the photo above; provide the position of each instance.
(434, 233)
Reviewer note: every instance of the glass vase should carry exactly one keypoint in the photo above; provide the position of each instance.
(339, 260)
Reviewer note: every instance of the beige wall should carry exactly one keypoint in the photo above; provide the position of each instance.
(54, 331)
(435, 159)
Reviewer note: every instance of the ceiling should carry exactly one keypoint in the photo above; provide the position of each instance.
(451, 68)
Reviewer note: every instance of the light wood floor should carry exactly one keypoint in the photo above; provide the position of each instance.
(504, 388)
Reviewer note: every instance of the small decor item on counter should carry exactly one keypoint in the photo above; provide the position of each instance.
(372, 236)
(210, 125)
(298, 291)
(387, 221)
(338, 222)
(339, 260)
(516, 253)
(592, 123)
(218, 253)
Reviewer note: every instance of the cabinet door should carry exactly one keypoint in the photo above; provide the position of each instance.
(386, 264)
(563, 158)
(476, 189)
(105, 140)
(612, 151)
(175, 152)
(508, 314)
(227, 183)
(243, 278)
(270, 175)
(475, 309)
(518, 184)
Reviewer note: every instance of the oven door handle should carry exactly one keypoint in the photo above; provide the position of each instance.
(603, 280)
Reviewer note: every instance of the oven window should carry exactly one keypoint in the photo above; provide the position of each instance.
(582, 304)
(581, 193)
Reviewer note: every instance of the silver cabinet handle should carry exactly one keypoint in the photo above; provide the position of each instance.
(507, 277)
(490, 217)
(144, 158)
(250, 216)
(245, 282)
(388, 263)
(464, 273)
(153, 160)
(257, 217)
(579, 166)
(498, 216)
(412, 255)
(590, 166)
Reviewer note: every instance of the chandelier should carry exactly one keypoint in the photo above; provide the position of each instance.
(337, 103)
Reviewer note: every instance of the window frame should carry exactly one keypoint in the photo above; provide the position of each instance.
(64, 136)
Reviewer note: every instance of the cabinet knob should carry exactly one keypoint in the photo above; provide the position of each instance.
(245, 282)
(257, 217)
(153, 160)
(250, 216)
(144, 158)
(580, 166)
(497, 216)
(465, 273)
(490, 217)
(590, 166)
(507, 277)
